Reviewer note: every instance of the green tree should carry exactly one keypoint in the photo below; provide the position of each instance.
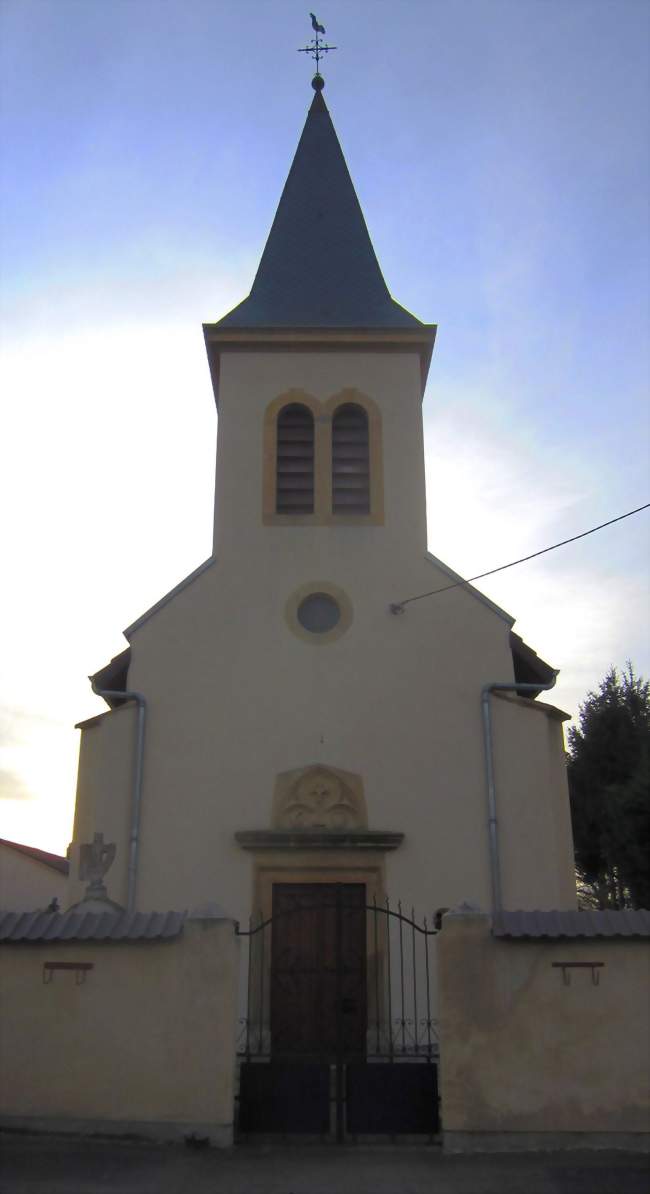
(609, 786)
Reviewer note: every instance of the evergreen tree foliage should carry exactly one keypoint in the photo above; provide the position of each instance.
(609, 786)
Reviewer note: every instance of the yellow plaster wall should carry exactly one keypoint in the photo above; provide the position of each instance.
(104, 795)
(146, 1040)
(254, 383)
(236, 698)
(534, 820)
(26, 884)
(522, 1052)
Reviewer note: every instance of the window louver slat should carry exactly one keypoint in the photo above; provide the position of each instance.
(351, 468)
(345, 452)
(350, 461)
(295, 461)
(301, 436)
(296, 448)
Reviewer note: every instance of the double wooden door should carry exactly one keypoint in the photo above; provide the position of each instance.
(318, 971)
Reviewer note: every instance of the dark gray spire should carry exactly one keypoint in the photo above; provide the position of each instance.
(319, 268)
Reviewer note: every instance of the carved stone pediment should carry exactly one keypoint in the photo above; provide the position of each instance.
(319, 797)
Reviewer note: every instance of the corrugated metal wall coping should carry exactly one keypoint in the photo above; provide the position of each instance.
(77, 925)
(553, 925)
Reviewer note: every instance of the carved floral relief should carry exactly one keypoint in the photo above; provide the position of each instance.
(319, 799)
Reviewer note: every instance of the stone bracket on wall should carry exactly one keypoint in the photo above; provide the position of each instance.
(80, 969)
(567, 967)
(318, 839)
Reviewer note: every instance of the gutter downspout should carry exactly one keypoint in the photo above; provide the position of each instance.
(134, 834)
(493, 837)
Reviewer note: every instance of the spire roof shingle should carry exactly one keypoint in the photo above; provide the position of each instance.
(319, 268)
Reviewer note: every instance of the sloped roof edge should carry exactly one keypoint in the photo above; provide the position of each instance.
(56, 861)
(77, 925)
(464, 584)
(182, 584)
(552, 924)
(530, 698)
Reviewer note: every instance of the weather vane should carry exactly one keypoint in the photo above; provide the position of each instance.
(317, 49)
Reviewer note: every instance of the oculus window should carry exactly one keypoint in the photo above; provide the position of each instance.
(319, 613)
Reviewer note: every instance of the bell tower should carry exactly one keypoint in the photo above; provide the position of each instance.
(318, 377)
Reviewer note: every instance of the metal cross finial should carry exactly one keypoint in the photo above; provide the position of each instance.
(317, 49)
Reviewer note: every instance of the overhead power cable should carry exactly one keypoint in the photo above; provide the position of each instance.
(397, 607)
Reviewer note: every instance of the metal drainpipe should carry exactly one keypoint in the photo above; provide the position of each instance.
(493, 838)
(134, 836)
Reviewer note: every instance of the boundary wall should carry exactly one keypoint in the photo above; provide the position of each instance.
(537, 1054)
(142, 1043)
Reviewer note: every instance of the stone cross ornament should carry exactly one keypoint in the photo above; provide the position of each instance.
(95, 858)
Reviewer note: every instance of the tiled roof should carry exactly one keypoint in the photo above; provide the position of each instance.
(56, 861)
(319, 269)
(627, 923)
(77, 925)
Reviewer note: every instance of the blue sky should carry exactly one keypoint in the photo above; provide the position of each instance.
(500, 152)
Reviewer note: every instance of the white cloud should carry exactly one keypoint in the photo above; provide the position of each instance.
(491, 500)
(108, 473)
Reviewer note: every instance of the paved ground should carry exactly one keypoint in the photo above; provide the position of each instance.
(57, 1165)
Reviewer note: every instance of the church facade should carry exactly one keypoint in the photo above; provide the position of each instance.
(321, 879)
(275, 720)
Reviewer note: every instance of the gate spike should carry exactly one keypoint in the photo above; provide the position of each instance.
(415, 979)
(390, 982)
(401, 968)
(426, 959)
(376, 945)
(261, 1026)
(248, 989)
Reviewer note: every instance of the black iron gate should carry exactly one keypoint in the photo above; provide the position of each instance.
(338, 1038)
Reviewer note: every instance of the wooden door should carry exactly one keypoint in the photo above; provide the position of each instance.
(318, 970)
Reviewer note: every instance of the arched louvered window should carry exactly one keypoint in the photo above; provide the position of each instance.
(294, 489)
(350, 461)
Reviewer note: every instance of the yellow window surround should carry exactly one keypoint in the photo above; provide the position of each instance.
(323, 413)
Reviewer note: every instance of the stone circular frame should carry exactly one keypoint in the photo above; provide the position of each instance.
(315, 605)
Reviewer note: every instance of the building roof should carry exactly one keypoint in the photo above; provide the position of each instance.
(56, 861)
(319, 269)
(529, 667)
(79, 925)
(113, 677)
(567, 924)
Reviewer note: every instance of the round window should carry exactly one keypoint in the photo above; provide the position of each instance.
(318, 613)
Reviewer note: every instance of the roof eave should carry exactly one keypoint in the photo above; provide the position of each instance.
(218, 339)
(461, 583)
(56, 862)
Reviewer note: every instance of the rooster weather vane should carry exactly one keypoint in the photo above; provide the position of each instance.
(317, 49)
